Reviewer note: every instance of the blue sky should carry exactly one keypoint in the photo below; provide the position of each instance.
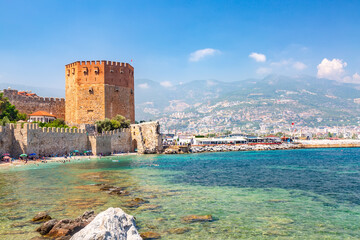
(180, 41)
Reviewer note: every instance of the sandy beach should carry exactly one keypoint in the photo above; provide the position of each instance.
(18, 162)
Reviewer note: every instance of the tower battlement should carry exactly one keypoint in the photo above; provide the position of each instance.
(98, 63)
(96, 90)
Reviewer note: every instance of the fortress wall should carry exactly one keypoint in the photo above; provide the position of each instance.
(121, 140)
(30, 138)
(19, 141)
(28, 104)
(6, 137)
(100, 144)
(56, 141)
(146, 137)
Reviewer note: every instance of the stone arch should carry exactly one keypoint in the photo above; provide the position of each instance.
(134, 146)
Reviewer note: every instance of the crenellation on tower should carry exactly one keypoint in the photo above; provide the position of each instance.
(96, 90)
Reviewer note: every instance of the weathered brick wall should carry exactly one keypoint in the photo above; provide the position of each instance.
(98, 90)
(28, 104)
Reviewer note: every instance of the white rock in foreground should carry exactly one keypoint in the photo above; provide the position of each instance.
(112, 224)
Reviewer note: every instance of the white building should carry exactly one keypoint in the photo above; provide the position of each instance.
(41, 116)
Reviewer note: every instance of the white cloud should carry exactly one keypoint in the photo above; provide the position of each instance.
(263, 71)
(356, 77)
(352, 79)
(143, 85)
(259, 57)
(333, 69)
(166, 84)
(299, 66)
(202, 53)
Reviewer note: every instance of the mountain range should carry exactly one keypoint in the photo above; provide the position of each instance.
(307, 99)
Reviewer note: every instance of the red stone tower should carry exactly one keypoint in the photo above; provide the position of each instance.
(98, 90)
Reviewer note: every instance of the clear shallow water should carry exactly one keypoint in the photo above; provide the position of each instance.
(297, 194)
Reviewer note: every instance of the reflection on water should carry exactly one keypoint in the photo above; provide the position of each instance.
(298, 194)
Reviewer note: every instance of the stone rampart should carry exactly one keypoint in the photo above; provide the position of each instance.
(6, 138)
(30, 138)
(146, 137)
(30, 104)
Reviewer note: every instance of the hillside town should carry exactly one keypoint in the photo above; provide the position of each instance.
(262, 120)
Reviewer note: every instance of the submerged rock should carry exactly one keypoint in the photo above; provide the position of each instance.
(46, 227)
(135, 203)
(106, 188)
(113, 223)
(178, 230)
(149, 207)
(65, 228)
(150, 235)
(38, 238)
(197, 218)
(41, 217)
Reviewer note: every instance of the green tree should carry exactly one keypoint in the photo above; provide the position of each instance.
(117, 122)
(279, 134)
(9, 111)
(57, 123)
(22, 116)
(4, 121)
(124, 123)
(227, 132)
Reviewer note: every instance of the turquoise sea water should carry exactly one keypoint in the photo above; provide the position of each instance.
(294, 194)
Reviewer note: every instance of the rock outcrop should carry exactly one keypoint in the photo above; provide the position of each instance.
(41, 217)
(65, 228)
(113, 223)
(197, 218)
(150, 235)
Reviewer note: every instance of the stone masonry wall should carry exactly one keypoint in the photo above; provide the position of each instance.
(6, 138)
(146, 137)
(96, 90)
(56, 141)
(30, 138)
(112, 141)
(28, 104)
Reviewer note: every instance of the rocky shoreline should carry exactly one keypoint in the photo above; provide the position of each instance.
(112, 223)
(299, 144)
(228, 148)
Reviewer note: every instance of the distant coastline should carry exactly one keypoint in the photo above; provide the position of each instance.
(298, 144)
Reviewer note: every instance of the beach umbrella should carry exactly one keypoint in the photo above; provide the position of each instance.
(76, 151)
(32, 154)
(23, 155)
(6, 157)
(6, 154)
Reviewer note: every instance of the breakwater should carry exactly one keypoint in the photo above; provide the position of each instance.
(343, 143)
(244, 147)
